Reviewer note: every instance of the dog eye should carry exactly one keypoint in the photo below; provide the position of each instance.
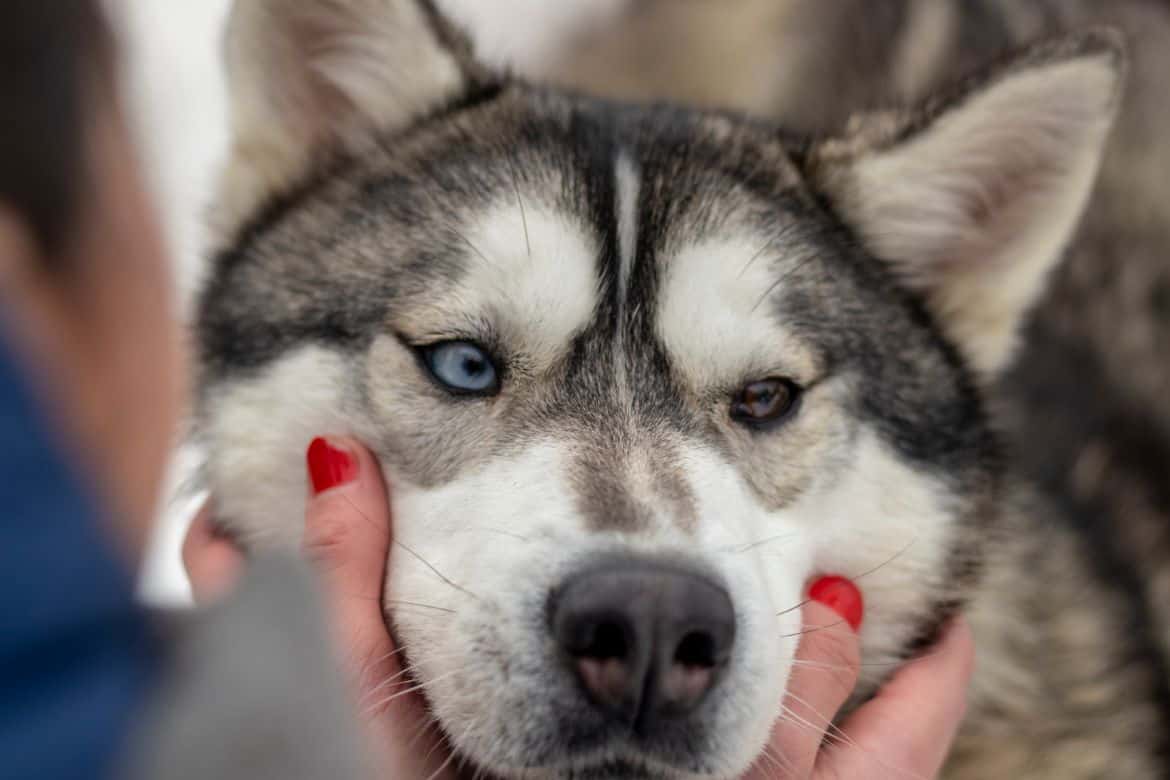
(462, 367)
(765, 401)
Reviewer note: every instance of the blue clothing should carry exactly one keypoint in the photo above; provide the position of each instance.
(74, 655)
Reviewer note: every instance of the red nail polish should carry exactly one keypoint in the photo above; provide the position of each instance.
(841, 596)
(329, 466)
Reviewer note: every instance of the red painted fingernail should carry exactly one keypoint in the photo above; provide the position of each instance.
(841, 596)
(329, 466)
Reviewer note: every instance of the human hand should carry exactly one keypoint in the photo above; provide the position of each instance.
(347, 535)
(906, 730)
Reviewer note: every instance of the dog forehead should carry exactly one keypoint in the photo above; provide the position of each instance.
(717, 315)
(530, 269)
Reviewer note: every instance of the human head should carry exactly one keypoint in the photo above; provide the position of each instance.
(85, 292)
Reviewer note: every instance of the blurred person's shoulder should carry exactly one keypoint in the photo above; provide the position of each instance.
(249, 688)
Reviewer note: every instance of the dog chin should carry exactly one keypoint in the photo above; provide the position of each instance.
(624, 768)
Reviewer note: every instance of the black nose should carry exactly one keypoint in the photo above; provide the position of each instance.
(646, 640)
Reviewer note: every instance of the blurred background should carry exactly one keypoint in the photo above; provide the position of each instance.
(179, 104)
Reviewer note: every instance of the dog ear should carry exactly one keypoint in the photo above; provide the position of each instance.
(973, 198)
(313, 78)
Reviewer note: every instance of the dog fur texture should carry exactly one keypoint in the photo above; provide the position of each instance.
(1083, 408)
(629, 267)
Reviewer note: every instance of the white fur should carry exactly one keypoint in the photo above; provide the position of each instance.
(888, 526)
(712, 318)
(531, 272)
(627, 189)
(257, 430)
(628, 185)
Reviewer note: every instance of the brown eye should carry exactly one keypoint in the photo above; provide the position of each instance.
(765, 401)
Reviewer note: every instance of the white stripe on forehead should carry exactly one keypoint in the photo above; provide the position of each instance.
(627, 188)
(715, 317)
(531, 271)
(628, 184)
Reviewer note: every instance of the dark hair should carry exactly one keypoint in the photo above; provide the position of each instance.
(54, 56)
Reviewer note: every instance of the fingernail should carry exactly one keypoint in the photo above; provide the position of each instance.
(329, 465)
(841, 596)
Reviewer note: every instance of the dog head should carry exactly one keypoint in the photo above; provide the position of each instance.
(634, 373)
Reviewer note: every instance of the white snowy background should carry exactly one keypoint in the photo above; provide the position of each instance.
(176, 93)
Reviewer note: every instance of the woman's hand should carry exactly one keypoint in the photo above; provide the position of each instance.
(907, 729)
(347, 534)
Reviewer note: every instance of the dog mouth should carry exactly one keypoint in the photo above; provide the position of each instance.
(634, 665)
(607, 754)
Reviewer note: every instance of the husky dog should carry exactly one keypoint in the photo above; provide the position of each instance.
(637, 372)
(1084, 408)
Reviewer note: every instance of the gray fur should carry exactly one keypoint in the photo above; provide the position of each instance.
(1075, 627)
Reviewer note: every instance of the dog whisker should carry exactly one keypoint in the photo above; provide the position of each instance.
(863, 574)
(419, 604)
(793, 608)
(758, 254)
(412, 689)
(363, 515)
(738, 549)
(783, 278)
(813, 629)
(886, 562)
(836, 733)
(388, 681)
(425, 727)
(866, 665)
(832, 732)
(438, 573)
(520, 204)
(499, 531)
(777, 760)
(472, 246)
(442, 766)
(373, 662)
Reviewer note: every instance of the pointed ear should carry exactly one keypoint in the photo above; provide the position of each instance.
(312, 78)
(973, 198)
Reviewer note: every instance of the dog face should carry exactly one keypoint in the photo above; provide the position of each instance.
(635, 374)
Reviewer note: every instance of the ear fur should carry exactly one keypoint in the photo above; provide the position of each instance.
(973, 198)
(310, 78)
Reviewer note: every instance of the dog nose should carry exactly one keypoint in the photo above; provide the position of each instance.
(645, 640)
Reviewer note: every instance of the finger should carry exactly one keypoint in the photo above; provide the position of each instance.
(823, 676)
(908, 728)
(211, 558)
(348, 533)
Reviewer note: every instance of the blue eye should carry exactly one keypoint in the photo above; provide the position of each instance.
(462, 367)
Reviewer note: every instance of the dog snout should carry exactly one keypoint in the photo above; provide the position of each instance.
(645, 640)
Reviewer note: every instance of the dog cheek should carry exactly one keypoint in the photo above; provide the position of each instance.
(255, 430)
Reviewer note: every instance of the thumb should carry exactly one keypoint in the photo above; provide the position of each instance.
(347, 535)
(824, 672)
